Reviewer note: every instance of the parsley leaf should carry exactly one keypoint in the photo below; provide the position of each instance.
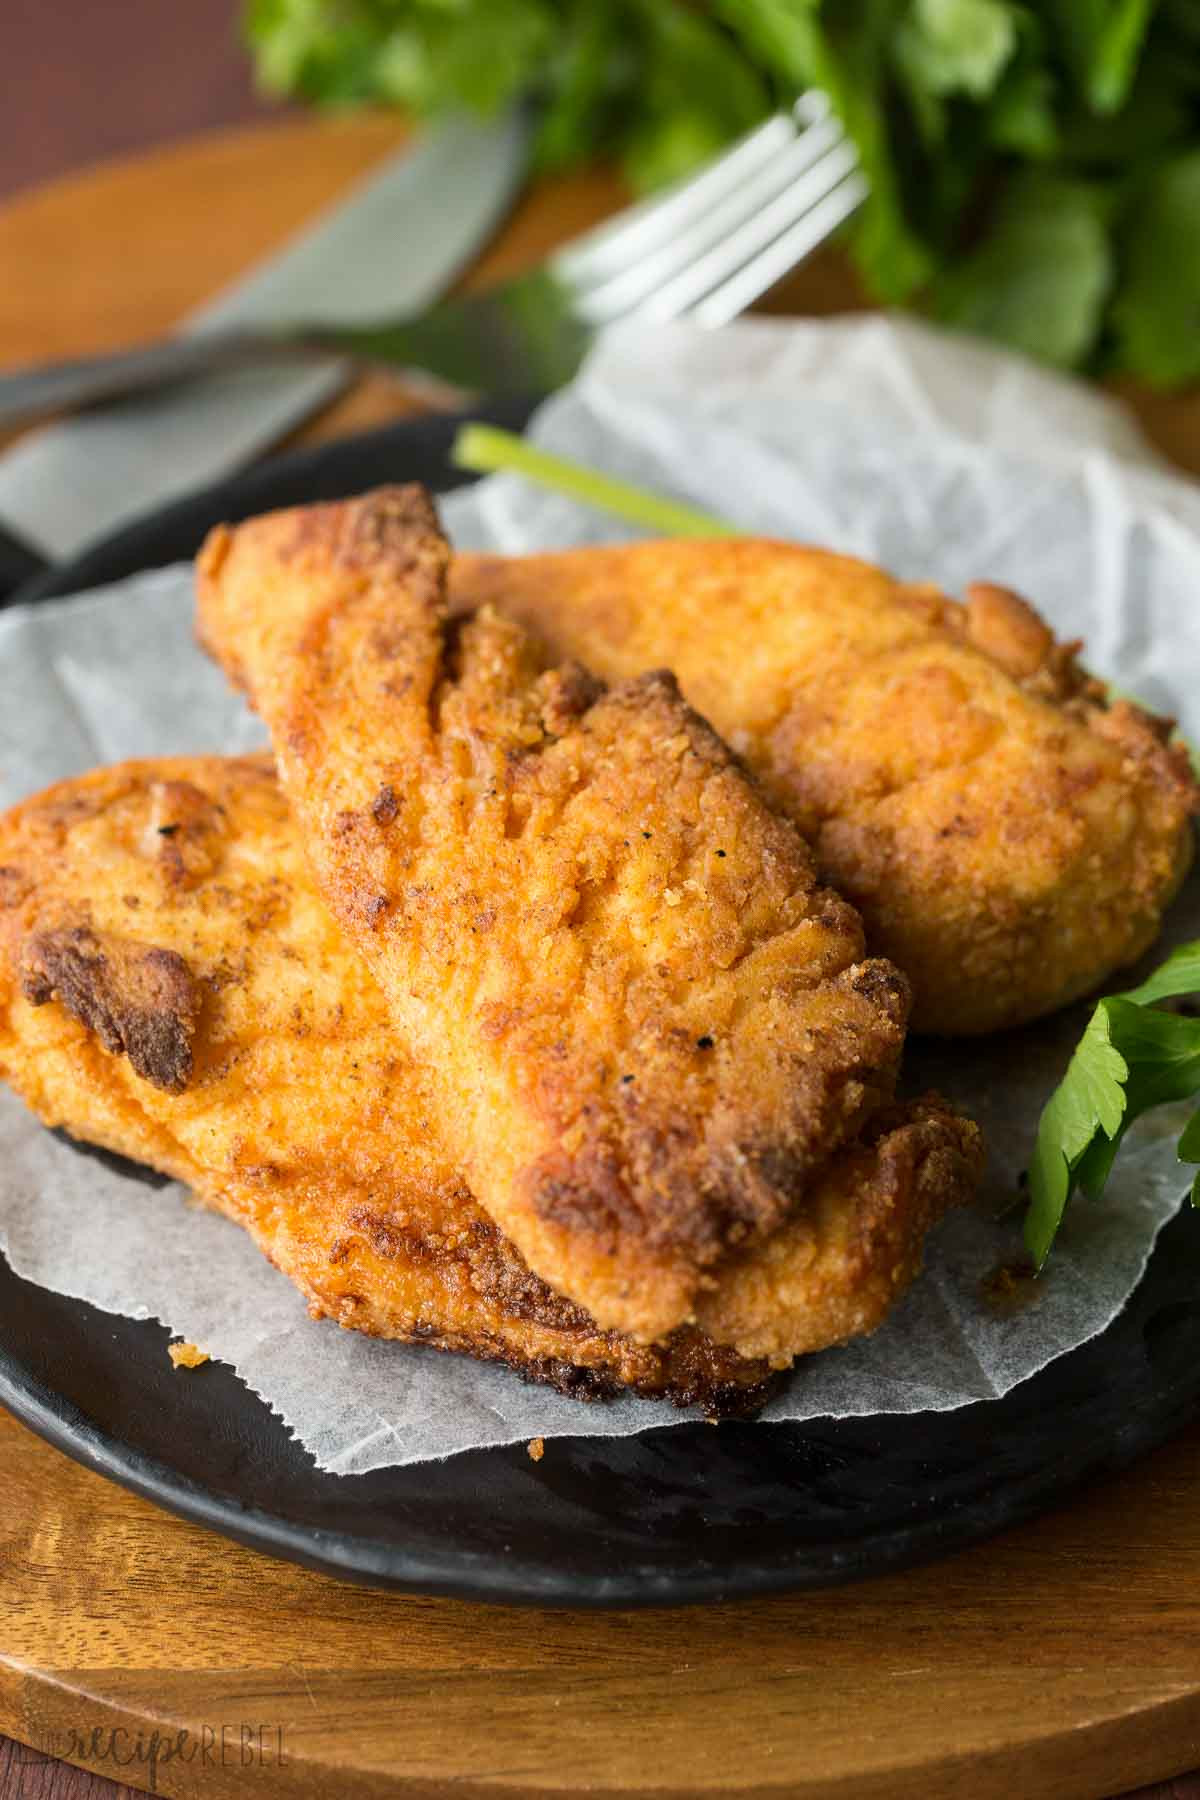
(1157, 309)
(1089, 1099)
(1130, 1059)
(1040, 279)
(1189, 1151)
(1179, 974)
(1021, 115)
(694, 97)
(958, 46)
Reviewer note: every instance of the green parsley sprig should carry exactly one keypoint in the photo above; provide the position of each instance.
(1131, 1057)
(1034, 165)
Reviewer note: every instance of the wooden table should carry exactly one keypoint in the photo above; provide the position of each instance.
(1062, 1659)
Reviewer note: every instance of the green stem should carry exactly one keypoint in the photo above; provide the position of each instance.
(487, 450)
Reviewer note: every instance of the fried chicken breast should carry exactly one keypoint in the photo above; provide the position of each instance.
(647, 1030)
(172, 989)
(1008, 837)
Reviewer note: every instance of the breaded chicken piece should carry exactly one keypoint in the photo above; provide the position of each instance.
(1008, 838)
(646, 1027)
(172, 989)
(209, 1019)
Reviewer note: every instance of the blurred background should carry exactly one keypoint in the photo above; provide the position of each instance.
(1033, 166)
(88, 81)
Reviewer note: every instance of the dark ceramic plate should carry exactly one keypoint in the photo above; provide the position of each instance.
(683, 1514)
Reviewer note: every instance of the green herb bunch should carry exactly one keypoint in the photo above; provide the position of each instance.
(1034, 168)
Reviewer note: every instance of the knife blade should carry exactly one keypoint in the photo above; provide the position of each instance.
(393, 247)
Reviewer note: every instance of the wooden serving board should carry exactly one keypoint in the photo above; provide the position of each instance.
(1059, 1660)
(1062, 1659)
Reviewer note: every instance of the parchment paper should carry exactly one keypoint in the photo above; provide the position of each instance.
(939, 458)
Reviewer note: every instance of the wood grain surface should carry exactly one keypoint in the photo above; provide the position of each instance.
(1061, 1660)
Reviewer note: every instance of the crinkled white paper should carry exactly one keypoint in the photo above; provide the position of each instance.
(943, 460)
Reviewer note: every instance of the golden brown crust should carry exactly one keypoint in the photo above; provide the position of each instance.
(1008, 836)
(843, 1261)
(303, 1120)
(308, 1123)
(647, 1027)
(137, 998)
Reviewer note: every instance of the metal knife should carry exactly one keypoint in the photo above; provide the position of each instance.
(393, 247)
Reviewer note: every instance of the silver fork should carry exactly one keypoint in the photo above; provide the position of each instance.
(704, 251)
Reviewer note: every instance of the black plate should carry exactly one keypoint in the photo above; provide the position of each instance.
(682, 1514)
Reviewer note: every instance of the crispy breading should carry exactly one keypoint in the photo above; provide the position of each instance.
(836, 1268)
(304, 1119)
(139, 1000)
(647, 1027)
(1008, 837)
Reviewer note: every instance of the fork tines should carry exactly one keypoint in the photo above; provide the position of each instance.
(713, 244)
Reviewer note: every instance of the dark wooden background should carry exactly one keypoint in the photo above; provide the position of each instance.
(84, 80)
